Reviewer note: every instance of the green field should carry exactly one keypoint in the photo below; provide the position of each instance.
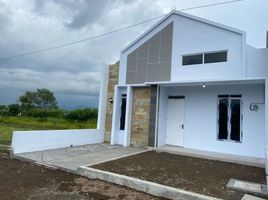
(10, 124)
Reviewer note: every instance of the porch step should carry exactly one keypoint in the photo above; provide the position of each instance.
(250, 197)
(248, 187)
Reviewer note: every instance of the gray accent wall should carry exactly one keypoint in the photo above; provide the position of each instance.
(152, 120)
(151, 62)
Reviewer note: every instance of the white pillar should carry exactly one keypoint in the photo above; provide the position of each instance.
(102, 100)
(128, 117)
(114, 116)
(266, 130)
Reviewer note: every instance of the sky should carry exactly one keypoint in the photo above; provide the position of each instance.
(73, 72)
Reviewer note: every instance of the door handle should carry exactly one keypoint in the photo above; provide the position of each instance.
(182, 126)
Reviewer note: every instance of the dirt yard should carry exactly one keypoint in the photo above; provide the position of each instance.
(193, 174)
(23, 180)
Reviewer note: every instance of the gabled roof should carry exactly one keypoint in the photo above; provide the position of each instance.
(178, 13)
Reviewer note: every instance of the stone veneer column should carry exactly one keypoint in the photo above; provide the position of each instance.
(113, 80)
(140, 116)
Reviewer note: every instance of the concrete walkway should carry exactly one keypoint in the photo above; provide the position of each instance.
(71, 158)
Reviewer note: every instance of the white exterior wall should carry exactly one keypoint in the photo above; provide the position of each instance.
(257, 62)
(200, 122)
(191, 37)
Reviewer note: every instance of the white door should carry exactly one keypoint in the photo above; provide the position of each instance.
(175, 121)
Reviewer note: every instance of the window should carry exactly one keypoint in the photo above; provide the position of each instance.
(123, 111)
(205, 58)
(229, 117)
(192, 59)
(215, 57)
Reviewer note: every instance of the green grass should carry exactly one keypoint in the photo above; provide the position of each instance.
(10, 124)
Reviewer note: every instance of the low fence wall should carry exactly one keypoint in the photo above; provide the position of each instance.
(28, 141)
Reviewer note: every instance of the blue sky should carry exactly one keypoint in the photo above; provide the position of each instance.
(73, 73)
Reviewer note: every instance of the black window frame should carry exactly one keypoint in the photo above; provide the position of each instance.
(192, 57)
(230, 126)
(203, 56)
(216, 54)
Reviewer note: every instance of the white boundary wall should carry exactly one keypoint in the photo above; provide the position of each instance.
(29, 141)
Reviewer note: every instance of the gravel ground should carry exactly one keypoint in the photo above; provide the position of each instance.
(193, 174)
(22, 180)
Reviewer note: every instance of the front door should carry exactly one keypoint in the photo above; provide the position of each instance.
(175, 121)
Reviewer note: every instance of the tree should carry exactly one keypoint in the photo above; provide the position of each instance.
(42, 98)
(46, 99)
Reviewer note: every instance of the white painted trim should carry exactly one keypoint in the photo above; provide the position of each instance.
(257, 79)
(133, 85)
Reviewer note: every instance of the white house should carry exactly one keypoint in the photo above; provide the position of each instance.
(190, 83)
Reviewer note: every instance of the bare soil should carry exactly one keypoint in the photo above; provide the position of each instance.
(203, 176)
(22, 180)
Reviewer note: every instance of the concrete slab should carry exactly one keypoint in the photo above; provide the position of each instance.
(71, 158)
(248, 187)
(250, 197)
(142, 185)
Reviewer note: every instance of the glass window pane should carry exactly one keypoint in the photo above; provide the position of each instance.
(235, 119)
(123, 113)
(223, 119)
(216, 57)
(192, 60)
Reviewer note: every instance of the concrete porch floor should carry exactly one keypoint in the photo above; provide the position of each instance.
(71, 158)
(244, 160)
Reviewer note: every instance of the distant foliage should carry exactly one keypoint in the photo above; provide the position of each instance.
(4, 110)
(42, 105)
(10, 110)
(43, 113)
(82, 114)
(14, 109)
(42, 98)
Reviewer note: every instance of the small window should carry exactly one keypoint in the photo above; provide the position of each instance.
(123, 112)
(192, 59)
(229, 117)
(215, 57)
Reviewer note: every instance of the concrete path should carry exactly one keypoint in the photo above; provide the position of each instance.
(71, 158)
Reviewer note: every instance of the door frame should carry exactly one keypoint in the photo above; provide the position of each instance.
(121, 137)
(183, 130)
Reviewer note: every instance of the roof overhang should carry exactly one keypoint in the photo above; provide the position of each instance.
(210, 82)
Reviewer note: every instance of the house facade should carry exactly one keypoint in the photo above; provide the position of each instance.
(191, 83)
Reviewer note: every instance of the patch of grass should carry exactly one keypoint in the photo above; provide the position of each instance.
(6, 133)
(10, 124)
